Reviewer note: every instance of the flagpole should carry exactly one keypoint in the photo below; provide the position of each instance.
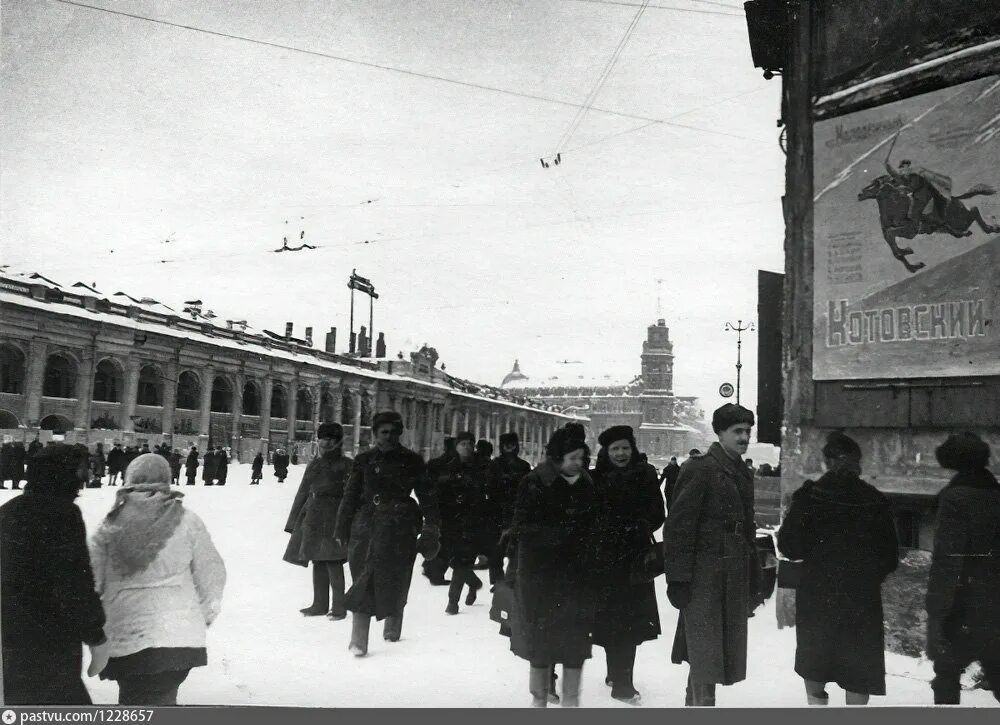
(371, 322)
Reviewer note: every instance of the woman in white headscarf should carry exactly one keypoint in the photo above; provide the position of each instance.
(160, 578)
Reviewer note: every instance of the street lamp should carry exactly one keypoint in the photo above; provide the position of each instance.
(739, 328)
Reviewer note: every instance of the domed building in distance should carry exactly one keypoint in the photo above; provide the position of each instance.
(665, 424)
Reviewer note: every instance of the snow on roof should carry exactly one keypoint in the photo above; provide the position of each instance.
(569, 380)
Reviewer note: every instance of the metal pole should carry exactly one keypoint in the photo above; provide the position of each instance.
(371, 323)
(739, 328)
(350, 340)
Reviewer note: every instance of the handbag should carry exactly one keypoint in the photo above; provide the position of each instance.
(502, 609)
(648, 564)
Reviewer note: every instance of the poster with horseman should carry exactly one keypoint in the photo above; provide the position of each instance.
(907, 237)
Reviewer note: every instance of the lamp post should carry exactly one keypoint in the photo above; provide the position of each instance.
(739, 328)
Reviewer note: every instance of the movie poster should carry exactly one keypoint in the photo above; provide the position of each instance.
(907, 238)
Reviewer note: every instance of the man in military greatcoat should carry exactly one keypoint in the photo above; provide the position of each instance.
(385, 529)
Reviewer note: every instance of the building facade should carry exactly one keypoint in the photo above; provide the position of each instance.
(665, 424)
(97, 370)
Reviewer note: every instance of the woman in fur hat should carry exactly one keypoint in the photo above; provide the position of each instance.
(161, 580)
(842, 530)
(963, 591)
(49, 605)
(631, 510)
(553, 579)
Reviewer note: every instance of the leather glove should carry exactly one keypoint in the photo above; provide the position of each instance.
(429, 543)
(679, 594)
(99, 656)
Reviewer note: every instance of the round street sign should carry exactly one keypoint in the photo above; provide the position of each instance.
(726, 390)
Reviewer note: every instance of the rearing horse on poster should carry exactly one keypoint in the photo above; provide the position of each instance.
(913, 201)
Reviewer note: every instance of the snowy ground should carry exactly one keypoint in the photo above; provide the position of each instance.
(263, 652)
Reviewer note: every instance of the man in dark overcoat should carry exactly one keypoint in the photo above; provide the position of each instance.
(386, 529)
(842, 530)
(209, 466)
(116, 464)
(710, 558)
(221, 466)
(313, 519)
(435, 569)
(48, 602)
(668, 478)
(461, 494)
(280, 462)
(963, 590)
(503, 475)
(191, 466)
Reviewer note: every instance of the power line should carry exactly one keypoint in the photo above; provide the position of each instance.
(379, 66)
(664, 7)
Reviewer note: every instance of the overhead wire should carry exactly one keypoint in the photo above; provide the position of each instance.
(662, 7)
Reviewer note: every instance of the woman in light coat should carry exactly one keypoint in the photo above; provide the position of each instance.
(160, 578)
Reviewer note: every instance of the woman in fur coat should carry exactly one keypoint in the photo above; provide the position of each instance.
(160, 578)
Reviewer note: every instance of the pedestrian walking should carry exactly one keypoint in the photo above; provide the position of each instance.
(710, 559)
(386, 529)
(503, 475)
(98, 464)
(630, 511)
(209, 467)
(280, 464)
(963, 591)
(551, 543)
(116, 463)
(436, 568)
(191, 466)
(161, 579)
(461, 489)
(313, 520)
(668, 478)
(174, 459)
(257, 469)
(842, 530)
(48, 603)
(221, 466)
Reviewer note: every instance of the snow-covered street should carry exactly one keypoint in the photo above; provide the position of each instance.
(263, 652)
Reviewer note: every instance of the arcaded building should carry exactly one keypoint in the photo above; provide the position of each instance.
(100, 369)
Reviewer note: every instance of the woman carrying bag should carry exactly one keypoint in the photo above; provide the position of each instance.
(630, 510)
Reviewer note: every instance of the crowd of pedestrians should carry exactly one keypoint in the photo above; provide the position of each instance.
(570, 548)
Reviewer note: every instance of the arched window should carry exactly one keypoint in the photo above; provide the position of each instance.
(60, 377)
(11, 370)
(108, 382)
(57, 423)
(304, 405)
(346, 407)
(150, 390)
(251, 398)
(279, 402)
(8, 419)
(188, 391)
(222, 396)
(326, 407)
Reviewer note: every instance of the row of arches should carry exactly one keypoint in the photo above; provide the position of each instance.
(61, 379)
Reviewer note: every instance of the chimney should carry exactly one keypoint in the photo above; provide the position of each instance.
(380, 345)
(331, 340)
(288, 330)
(364, 348)
(309, 337)
(354, 343)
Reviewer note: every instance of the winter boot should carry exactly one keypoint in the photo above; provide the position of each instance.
(455, 591)
(452, 607)
(335, 572)
(538, 685)
(321, 591)
(621, 661)
(571, 686)
(474, 586)
(700, 694)
(393, 628)
(816, 693)
(360, 624)
(856, 698)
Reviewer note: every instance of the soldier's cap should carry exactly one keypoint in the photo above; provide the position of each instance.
(387, 417)
(509, 439)
(330, 430)
(465, 436)
(729, 415)
(963, 452)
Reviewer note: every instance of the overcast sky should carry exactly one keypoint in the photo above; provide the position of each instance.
(119, 134)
